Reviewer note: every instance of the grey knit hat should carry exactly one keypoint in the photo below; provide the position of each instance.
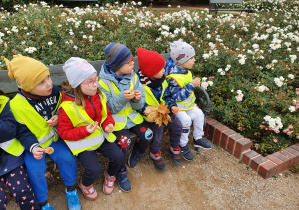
(181, 52)
(116, 55)
(77, 70)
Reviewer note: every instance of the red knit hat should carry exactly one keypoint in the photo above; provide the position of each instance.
(150, 63)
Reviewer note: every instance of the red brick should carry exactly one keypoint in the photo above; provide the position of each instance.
(218, 133)
(277, 161)
(284, 159)
(210, 121)
(293, 152)
(267, 169)
(295, 147)
(290, 156)
(224, 137)
(257, 161)
(243, 144)
(232, 142)
(246, 158)
(211, 131)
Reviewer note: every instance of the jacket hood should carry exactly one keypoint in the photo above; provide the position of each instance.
(171, 68)
(67, 96)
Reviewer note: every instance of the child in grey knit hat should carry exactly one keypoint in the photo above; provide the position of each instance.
(182, 85)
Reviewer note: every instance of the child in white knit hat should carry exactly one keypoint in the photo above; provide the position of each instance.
(182, 85)
(86, 125)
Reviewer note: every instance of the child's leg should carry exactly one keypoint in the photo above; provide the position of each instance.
(198, 119)
(123, 140)
(186, 122)
(155, 144)
(66, 162)
(175, 131)
(92, 166)
(19, 188)
(3, 197)
(36, 170)
(145, 134)
(115, 156)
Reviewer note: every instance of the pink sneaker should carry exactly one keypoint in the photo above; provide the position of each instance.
(109, 184)
(89, 192)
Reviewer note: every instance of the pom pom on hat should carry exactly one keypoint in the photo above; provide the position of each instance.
(150, 62)
(181, 52)
(116, 55)
(27, 71)
(77, 70)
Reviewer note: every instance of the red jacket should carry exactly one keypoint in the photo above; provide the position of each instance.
(93, 108)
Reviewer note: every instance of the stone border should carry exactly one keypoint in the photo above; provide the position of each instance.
(240, 147)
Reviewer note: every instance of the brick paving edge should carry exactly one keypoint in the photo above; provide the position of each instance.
(240, 148)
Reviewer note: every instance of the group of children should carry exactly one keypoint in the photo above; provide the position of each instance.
(94, 114)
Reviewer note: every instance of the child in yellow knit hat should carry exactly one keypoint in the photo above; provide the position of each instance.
(34, 108)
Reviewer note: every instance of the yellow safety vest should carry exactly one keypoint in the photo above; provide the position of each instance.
(8, 145)
(120, 118)
(183, 80)
(79, 117)
(150, 99)
(25, 114)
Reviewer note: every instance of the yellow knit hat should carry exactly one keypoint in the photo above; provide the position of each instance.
(27, 71)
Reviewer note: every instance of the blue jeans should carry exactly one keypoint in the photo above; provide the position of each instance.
(36, 169)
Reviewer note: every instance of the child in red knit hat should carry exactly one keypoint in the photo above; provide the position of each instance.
(152, 77)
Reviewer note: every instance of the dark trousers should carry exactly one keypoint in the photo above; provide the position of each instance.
(123, 138)
(19, 188)
(92, 166)
(175, 130)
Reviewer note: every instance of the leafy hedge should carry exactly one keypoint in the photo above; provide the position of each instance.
(248, 63)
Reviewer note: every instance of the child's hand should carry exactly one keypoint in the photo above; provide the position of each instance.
(38, 152)
(53, 121)
(196, 82)
(137, 95)
(109, 128)
(129, 94)
(92, 127)
(175, 109)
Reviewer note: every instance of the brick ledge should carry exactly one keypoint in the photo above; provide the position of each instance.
(239, 147)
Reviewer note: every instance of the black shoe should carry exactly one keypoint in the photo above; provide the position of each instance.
(186, 153)
(158, 162)
(175, 154)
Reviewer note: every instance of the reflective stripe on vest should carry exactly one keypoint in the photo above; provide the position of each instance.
(25, 114)
(150, 99)
(79, 117)
(120, 118)
(182, 80)
(9, 146)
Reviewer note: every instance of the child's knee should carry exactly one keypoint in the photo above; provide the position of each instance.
(186, 122)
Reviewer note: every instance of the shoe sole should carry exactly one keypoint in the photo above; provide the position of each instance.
(202, 147)
(90, 199)
(187, 159)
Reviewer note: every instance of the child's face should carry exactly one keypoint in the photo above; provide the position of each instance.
(159, 75)
(44, 88)
(127, 68)
(189, 64)
(89, 86)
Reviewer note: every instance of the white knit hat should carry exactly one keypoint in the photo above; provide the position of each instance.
(181, 52)
(77, 70)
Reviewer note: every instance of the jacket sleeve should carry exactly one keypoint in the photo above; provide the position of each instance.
(169, 100)
(178, 93)
(26, 137)
(66, 129)
(8, 125)
(138, 104)
(115, 103)
(108, 120)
